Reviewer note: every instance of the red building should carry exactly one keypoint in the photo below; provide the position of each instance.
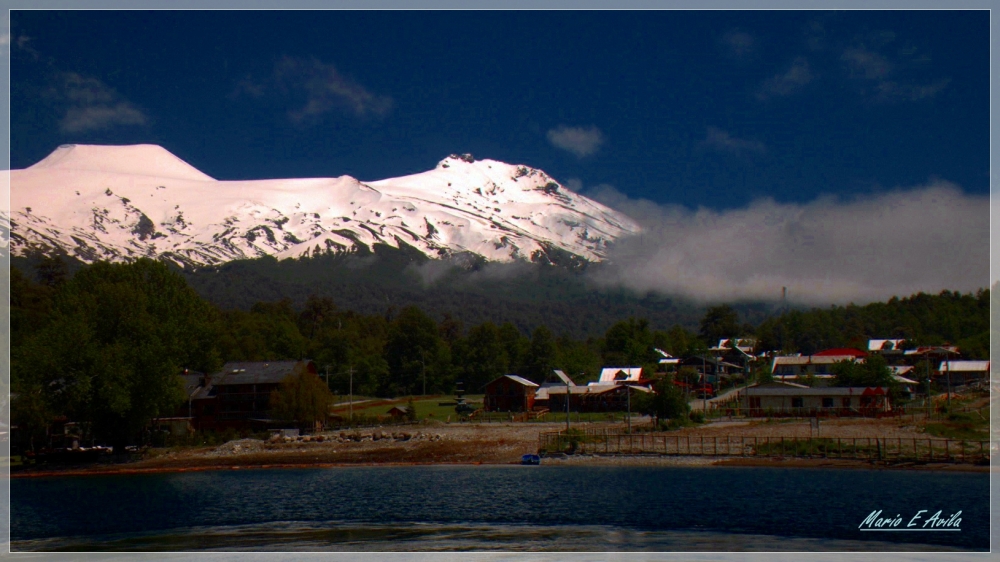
(510, 393)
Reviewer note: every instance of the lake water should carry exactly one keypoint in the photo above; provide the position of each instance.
(486, 508)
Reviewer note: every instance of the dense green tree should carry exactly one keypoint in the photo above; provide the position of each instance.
(30, 306)
(628, 343)
(667, 401)
(721, 321)
(450, 329)
(316, 311)
(416, 355)
(540, 358)
(873, 371)
(277, 323)
(677, 341)
(581, 361)
(480, 357)
(116, 340)
(302, 397)
(763, 374)
(52, 271)
(514, 343)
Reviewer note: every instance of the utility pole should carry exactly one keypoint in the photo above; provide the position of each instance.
(628, 400)
(704, 381)
(423, 370)
(927, 367)
(947, 373)
(350, 390)
(746, 376)
(567, 406)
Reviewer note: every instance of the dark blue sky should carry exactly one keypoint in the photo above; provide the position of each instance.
(712, 109)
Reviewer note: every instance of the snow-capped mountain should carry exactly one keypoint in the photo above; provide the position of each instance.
(124, 202)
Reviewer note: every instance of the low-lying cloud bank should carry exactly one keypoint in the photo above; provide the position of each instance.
(929, 238)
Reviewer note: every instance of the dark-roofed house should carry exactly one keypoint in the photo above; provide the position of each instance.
(239, 395)
(398, 412)
(509, 393)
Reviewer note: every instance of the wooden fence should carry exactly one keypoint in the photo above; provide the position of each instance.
(864, 448)
(901, 412)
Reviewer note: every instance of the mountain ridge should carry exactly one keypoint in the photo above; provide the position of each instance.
(121, 203)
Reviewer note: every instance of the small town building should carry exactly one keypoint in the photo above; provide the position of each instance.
(806, 365)
(239, 396)
(560, 379)
(930, 354)
(891, 349)
(711, 369)
(959, 373)
(593, 397)
(398, 412)
(901, 374)
(617, 375)
(734, 351)
(668, 363)
(782, 398)
(886, 345)
(509, 393)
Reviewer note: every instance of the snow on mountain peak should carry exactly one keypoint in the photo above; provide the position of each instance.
(123, 202)
(139, 159)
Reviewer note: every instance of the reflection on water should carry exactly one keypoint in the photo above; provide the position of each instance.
(597, 509)
(428, 537)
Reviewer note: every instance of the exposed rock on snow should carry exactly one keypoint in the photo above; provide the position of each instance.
(123, 202)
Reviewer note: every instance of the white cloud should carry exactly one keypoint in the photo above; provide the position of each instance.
(788, 82)
(739, 43)
(864, 63)
(582, 141)
(79, 119)
(92, 105)
(869, 66)
(326, 89)
(717, 139)
(21, 44)
(888, 90)
(929, 238)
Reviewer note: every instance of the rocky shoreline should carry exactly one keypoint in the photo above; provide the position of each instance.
(438, 444)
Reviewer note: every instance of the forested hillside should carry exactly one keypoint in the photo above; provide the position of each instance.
(86, 342)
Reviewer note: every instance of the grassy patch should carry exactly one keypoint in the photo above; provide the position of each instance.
(425, 406)
(973, 426)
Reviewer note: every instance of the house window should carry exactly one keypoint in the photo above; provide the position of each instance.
(796, 402)
(828, 402)
(846, 402)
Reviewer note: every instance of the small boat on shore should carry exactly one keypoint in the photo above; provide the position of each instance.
(531, 459)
